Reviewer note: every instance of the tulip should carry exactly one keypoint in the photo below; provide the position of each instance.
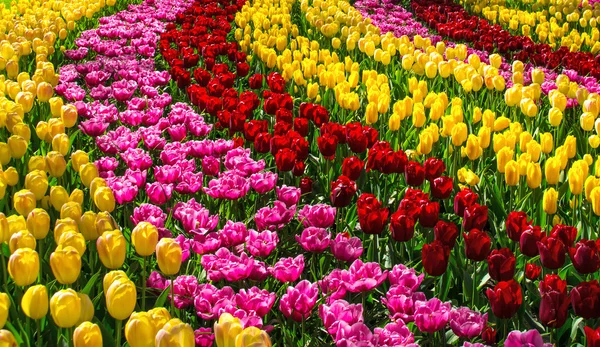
(585, 256)
(18, 146)
(511, 173)
(21, 239)
(435, 257)
(112, 249)
(592, 336)
(555, 301)
(466, 323)
(532, 271)
(4, 308)
(24, 202)
(58, 197)
(175, 334)
(552, 252)
(477, 244)
(549, 201)
(139, 330)
(505, 298)
(253, 337)
(7, 339)
(531, 338)
(88, 172)
(71, 209)
(585, 299)
(68, 114)
(121, 298)
(87, 226)
(87, 309)
(56, 164)
(168, 254)
(38, 223)
(144, 238)
(65, 262)
(65, 308)
(87, 334)
(501, 264)
(37, 182)
(534, 175)
(104, 199)
(24, 266)
(78, 159)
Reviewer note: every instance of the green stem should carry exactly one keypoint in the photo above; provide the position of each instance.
(118, 329)
(4, 270)
(144, 285)
(38, 328)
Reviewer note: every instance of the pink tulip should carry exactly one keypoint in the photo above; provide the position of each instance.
(206, 243)
(274, 218)
(159, 193)
(405, 277)
(263, 182)
(400, 302)
(357, 334)
(137, 158)
(194, 217)
(167, 174)
(334, 284)
(530, 338)
(298, 302)
(314, 240)
(365, 276)
(155, 280)
(346, 248)
(189, 183)
(261, 244)
(208, 296)
(340, 311)
(395, 334)
(319, 215)
(149, 213)
(138, 177)
(211, 166)
(233, 234)
(230, 185)
(259, 271)
(204, 337)
(466, 323)
(225, 265)
(288, 195)
(185, 289)
(432, 315)
(123, 190)
(255, 300)
(288, 269)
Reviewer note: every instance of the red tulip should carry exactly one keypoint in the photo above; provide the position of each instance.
(585, 256)
(552, 253)
(446, 232)
(285, 159)
(371, 216)
(505, 298)
(555, 301)
(529, 239)
(242, 69)
(429, 214)
(276, 82)
(327, 145)
(441, 187)
(565, 233)
(352, 167)
(434, 168)
(306, 185)
(254, 127)
(532, 271)
(256, 81)
(516, 222)
(464, 199)
(402, 227)
(435, 257)
(592, 336)
(301, 126)
(475, 217)
(342, 191)
(299, 167)
(414, 174)
(501, 264)
(585, 299)
(262, 142)
(477, 244)
(489, 336)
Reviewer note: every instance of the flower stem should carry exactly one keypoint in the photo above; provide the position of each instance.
(118, 329)
(144, 285)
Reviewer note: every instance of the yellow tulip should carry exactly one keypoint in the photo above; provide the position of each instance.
(65, 262)
(58, 197)
(79, 158)
(87, 334)
(502, 158)
(168, 255)
(253, 337)
(4, 308)
(24, 202)
(575, 178)
(87, 226)
(511, 173)
(87, 308)
(552, 170)
(121, 298)
(112, 248)
(175, 334)
(21, 239)
(144, 238)
(68, 114)
(226, 330)
(18, 146)
(35, 302)
(65, 308)
(550, 201)
(555, 117)
(139, 330)
(534, 175)
(104, 199)
(56, 164)
(547, 142)
(7, 339)
(72, 210)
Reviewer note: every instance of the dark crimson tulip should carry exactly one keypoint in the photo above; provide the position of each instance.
(276, 82)
(488, 335)
(306, 185)
(282, 129)
(262, 142)
(410, 208)
(446, 232)
(402, 227)
(301, 126)
(429, 214)
(352, 167)
(300, 147)
(505, 298)
(475, 217)
(285, 159)
(565, 233)
(533, 271)
(585, 256)
(254, 127)
(366, 202)
(477, 244)
(371, 215)
(441, 187)
(357, 140)
(242, 69)
(342, 191)
(555, 301)
(400, 161)
(238, 142)
(552, 253)
(592, 336)
(434, 168)
(435, 257)
(516, 222)
(202, 76)
(334, 129)
(585, 299)
(327, 145)
(501, 264)
(299, 168)
(530, 236)
(256, 81)
(464, 199)
(319, 115)
(414, 174)
(278, 142)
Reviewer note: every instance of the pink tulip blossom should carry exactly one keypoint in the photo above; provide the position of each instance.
(339, 311)
(405, 277)
(365, 276)
(466, 323)
(346, 248)
(432, 315)
(263, 182)
(530, 338)
(274, 218)
(261, 244)
(314, 239)
(288, 195)
(258, 301)
(400, 302)
(319, 215)
(158, 193)
(226, 265)
(288, 269)
(149, 213)
(298, 302)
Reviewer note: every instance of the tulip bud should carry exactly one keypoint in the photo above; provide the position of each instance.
(72, 210)
(35, 302)
(37, 182)
(168, 254)
(87, 334)
(511, 173)
(24, 202)
(21, 239)
(550, 201)
(104, 222)
(56, 104)
(4, 228)
(18, 146)
(74, 239)
(66, 264)
(87, 226)
(4, 308)
(552, 170)
(24, 266)
(44, 91)
(139, 330)
(56, 164)
(575, 179)
(144, 238)
(537, 76)
(25, 99)
(7, 339)
(88, 172)
(11, 176)
(36, 162)
(226, 330)
(175, 333)
(68, 114)
(555, 116)
(160, 316)
(104, 199)
(65, 308)
(112, 249)
(253, 337)
(121, 298)
(87, 308)
(61, 144)
(78, 158)
(534, 175)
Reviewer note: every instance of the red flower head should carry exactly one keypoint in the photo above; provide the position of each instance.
(446, 232)
(441, 187)
(434, 168)
(505, 298)
(282, 128)
(552, 253)
(255, 127)
(327, 145)
(276, 82)
(300, 146)
(565, 233)
(435, 257)
(262, 142)
(256, 81)
(352, 167)
(477, 244)
(285, 159)
(371, 216)
(429, 214)
(585, 299)
(402, 227)
(342, 191)
(464, 199)
(555, 301)
(202, 76)
(592, 336)
(357, 140)
(585, 256)
(516, 222)
(242, 69)
(488, 335)
(530, 236)
(306, 185)
(501, 264)
(414, 174)
(475, 217)
(284, 115)
(299, 168)
(532, 271)
(301, 126)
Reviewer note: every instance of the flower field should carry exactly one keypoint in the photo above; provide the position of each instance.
(252, 173)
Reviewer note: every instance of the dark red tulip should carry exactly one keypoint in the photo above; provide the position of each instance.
(402, 227)
(516, 222)
(254, 127)
(501, 264)
(592, 336)
(242, 69)
(565, 233)
(306, 185)
(299, 167)
(441, 187)
(429, 214)
(262, 142)
(372, 217)
(285, 159)
(585, 256)
(529, 239)
(301, 126)
(256, 81)
(446, 232)
(488, 335)
(477, 244)
(505, 298)
(464, 199)
(327, 145)
(555, 301)
(282, 128)
(434, 168)
(435, 257)
(585, 299)
(414, 174)
(342, 191)
(475, 217)
(533, 271)
(352, 167)
(357, 140)
(300, 147)
(276, 82)
(552, 253)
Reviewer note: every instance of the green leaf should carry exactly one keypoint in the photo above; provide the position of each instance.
(160, 302)
(108, 340)
(90, 284)
(577, 325)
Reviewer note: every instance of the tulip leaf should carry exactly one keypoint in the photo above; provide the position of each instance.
(484, 280)
(108, 339)
(90, 284)
(576, 326)
(163, 297)
(15, 333)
